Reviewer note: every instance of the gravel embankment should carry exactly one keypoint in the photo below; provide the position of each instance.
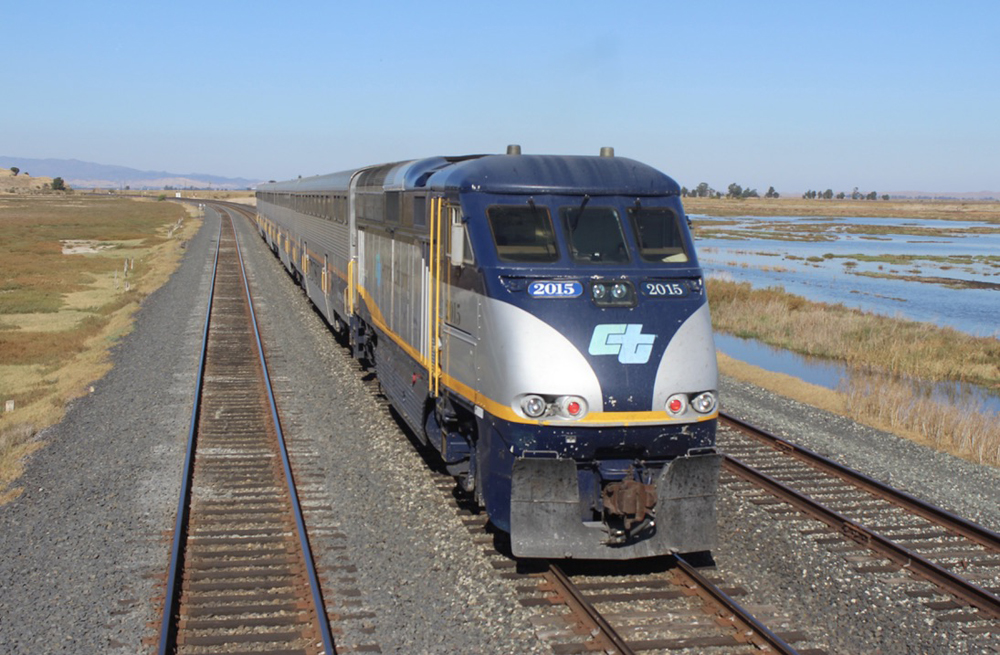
(820, 586)
(81, 547)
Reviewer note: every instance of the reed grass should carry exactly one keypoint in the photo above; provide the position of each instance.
(966, 431)
(864, 341)
(886, 355)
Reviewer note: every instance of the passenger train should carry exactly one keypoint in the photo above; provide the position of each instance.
(541, 321)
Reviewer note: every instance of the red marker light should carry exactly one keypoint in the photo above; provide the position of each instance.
(675, 405)
(573, 408)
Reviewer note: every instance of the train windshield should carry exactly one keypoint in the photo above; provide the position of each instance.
(523, 233)
(659, 235)
(595, 235)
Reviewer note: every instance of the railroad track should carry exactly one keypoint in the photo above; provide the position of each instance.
(671, 607)
(241, 577)
(960, 558)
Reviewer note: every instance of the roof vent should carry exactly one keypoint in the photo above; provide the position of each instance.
(513, 149)
(607, 151)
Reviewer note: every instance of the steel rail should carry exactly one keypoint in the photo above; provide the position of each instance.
(976, 596)
(747, 625)
(314, 584)
(972, 531)
(168, 627)
(607, 637)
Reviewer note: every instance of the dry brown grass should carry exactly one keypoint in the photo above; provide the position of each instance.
(16, 443)
(890, 406)
(968, 432)
(970, 210)
(60, 314)
(882, 353)
(22, 183)
(242, 197)
(862, 340)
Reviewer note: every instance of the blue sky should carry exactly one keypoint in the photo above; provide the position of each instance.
(882, 95)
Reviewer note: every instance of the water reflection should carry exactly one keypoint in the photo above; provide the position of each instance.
(836, 376)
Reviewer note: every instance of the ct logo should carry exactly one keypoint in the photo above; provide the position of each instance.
(623, 339)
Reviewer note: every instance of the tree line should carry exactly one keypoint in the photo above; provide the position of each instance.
(855, 195)
(738, 192)
(734, 190)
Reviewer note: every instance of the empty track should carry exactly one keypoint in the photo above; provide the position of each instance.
(241, 576)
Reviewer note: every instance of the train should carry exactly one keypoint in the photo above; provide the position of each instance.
(541, 321)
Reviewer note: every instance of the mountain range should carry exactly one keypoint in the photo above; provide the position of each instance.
(88, 175)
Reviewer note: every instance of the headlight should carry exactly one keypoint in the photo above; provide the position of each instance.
(704, 402)
(613, 293)
(533, 406)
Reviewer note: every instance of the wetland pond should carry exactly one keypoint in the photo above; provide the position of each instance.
(937, 271)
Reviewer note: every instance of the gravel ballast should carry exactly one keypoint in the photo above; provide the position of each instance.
(83, 546)
(844, 608)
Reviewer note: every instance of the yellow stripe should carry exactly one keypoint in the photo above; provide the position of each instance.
(593, 419)
(379, 322)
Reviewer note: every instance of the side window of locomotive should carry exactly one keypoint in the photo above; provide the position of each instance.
(455, 214)
(659, 235)
(420, 211)
(470, 257)
(595, 235)
(523, 233)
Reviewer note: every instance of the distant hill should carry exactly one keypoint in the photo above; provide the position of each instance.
(87, 175)
(22, 182)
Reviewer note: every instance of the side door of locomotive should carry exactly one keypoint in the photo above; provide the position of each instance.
(453, 316)
(461, 315)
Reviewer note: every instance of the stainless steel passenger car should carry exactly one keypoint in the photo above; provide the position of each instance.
(542, 321)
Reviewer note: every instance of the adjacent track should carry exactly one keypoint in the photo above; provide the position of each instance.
(241, 577)
(928, 541)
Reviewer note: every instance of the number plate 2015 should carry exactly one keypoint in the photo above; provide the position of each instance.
(665, 289)
(549, 289)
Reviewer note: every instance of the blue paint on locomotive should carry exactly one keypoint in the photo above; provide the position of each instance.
(551, 174)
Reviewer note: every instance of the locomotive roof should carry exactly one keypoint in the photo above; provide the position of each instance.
(502, 174)
(555, 174)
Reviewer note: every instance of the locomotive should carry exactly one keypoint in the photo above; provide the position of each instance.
(541, 321)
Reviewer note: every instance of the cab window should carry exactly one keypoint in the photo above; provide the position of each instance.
(659, 235)
(523, 233)
(595, 235)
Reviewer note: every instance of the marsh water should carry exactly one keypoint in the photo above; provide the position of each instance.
(834, 376)
(893, 270)
(937, 271)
